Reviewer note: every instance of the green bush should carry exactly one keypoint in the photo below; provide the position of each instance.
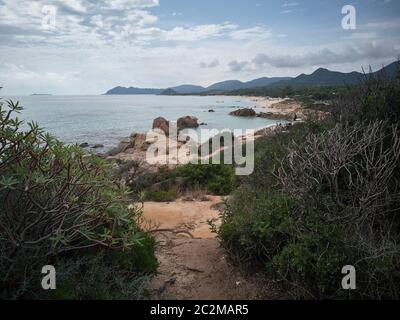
(104, 274)
(217, 179)
(322, 196)
(377, 98)
(255, 225)
(58, 203)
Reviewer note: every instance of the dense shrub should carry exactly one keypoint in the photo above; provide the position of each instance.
(351, 190)
(323, 196)
(58, 203)
(217, 179)
(377, 98)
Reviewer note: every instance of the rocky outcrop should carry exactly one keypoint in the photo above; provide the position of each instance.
(86, 145)
(292, 116)
(245, 112)
(272, 130)
(136, 142)
(139, 142)
(162, 124)
(187, 122)
(316, 115)
(124, 145)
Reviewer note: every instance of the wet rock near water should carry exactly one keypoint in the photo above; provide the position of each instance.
(86, 145)
(187, 122)
(245, 112)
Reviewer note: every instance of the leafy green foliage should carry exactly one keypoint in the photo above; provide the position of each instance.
(56, 201)
(217, 179)
(105, 275)
(377, 98)
(325, 195)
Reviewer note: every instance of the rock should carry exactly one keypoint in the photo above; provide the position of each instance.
(162, 124)
(84, 145)
(134, 144)
(122, 147)
(246, 112)
(187, 122)
(203, 124)
(278, 116)
(98, 146)
(139, 141)
(211, 110)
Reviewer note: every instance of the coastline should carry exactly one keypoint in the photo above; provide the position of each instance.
(134, 148)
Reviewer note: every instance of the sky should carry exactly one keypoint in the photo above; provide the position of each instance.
(71, 47)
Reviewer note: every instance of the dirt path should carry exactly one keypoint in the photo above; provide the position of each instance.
(192, 263)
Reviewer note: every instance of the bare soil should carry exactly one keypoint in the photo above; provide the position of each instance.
(192, 263)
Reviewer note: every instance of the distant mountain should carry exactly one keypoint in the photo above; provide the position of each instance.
(263, 82)
(325, 77)
(188, 88)
(390, 70)
(236, 85)
(320, 77)
(169, 92)
(226, 86)
(132, 90)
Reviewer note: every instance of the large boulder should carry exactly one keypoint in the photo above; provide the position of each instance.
(162, 124)
(187, 122)
(136, 142)
(245, 112)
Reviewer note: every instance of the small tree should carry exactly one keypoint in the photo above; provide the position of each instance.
(54, 201)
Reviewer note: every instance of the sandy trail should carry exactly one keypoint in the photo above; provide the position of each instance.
(192, 263)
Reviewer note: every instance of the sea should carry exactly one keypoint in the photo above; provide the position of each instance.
(107, 119)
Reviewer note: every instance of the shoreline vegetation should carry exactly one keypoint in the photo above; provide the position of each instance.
(324, 194)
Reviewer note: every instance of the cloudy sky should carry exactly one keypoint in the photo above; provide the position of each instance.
(93, 45)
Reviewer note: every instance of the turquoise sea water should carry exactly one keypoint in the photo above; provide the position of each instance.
(107, 119)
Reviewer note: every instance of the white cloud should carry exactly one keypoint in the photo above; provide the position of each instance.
(237, 66)
(213, 64)
(20, 72)
(76, 5)
(200, 32)
(129, 4)
(255, 33)
(105, 43)
(290, 4)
